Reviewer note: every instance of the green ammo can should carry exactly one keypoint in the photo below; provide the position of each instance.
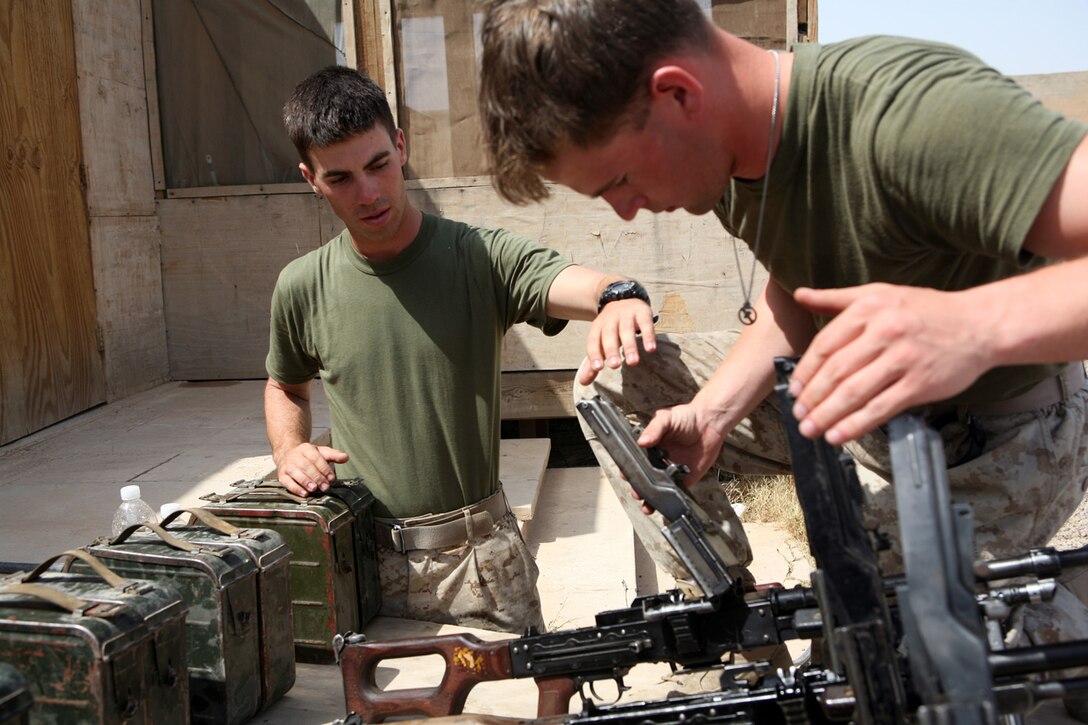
(15, 697)
(219, 584)
(269, 552)
(96, 648)
(334, 560)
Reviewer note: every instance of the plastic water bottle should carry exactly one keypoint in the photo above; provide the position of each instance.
(168, 508)
(133, 510)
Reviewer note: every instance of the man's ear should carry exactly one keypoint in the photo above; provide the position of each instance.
(308, 175)
(678, 88)
(402, 146)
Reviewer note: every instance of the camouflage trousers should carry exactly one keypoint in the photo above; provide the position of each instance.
(489, 582)
(1029, 478)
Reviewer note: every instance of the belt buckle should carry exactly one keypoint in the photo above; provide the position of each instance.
(398, 541)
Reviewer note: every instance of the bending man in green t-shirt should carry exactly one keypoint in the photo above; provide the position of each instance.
(922, 219)
(402, 315)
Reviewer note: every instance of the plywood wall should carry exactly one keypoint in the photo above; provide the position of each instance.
(124, 229)
(221, 258)
(50, 364)
(1066, 93)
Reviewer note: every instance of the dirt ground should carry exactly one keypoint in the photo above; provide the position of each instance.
(1075, 532)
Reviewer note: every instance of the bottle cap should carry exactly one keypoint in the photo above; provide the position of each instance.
(130, 493)
(166, 509)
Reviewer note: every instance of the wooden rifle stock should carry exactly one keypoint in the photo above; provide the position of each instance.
(468, 660)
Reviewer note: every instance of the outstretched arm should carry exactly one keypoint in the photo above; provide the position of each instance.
(890, 348)
(613, 334)
(301, 467)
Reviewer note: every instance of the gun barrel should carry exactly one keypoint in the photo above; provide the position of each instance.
(1037, 562)
(1040, 658)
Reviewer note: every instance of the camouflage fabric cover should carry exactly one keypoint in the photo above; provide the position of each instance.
(489, 582)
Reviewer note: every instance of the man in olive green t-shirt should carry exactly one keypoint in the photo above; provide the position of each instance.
(922, 220)
(402, 316)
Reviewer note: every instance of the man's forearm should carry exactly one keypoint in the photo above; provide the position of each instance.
(575, 292)
(1040, 317)
(288, 418)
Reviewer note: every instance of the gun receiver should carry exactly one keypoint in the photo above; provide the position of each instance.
(657, 481)
(656, 628)
(858, 629)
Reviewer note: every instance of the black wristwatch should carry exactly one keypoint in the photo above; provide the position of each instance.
(625, 289)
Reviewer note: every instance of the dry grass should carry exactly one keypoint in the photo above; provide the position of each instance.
(770, 499)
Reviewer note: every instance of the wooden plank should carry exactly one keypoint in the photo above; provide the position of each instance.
(50, 367)
(203, 192)
(534, 395)
(151, 84)
(113, 104)
(763, 22)
(128, 287)
(220, 260)
(369, 39)
(1066, 93)
(388, 76)
(522, 462)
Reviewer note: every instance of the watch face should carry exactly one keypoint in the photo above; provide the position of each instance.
(624, 289)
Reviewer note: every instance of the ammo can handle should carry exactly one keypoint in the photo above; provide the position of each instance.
(107, 574)
(263, 490)
(75, 605)
(167, 539)
(205, 517)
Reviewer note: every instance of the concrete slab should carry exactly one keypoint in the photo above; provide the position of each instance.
(59, 487)
(522, 462)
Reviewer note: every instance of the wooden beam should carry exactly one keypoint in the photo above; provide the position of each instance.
(544, 394)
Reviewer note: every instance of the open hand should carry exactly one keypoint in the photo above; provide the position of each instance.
(307, 468)
(613, 337)
(888, 348)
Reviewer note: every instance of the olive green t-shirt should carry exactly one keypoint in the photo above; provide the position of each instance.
(907, 162)
(409, 354)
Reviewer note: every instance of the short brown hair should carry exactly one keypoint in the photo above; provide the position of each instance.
(332, 105)
(558, 72)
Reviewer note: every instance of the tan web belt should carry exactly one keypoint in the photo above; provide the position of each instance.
(1048, 392)
(441, 531)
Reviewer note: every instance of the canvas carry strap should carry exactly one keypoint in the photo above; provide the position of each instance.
(108, 575)
(441, 531)
(207, 518)
(171, 541)
(75, 605)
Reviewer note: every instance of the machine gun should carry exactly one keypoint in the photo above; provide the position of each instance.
(881, 662)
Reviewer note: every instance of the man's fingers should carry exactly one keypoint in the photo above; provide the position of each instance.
(332, 454)
(292, 486)
(846, 374)
(308, 467)
(655, 429)
(850, 393)
(826, 301)
(875, 412)
(833, 337)
(586, 372)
